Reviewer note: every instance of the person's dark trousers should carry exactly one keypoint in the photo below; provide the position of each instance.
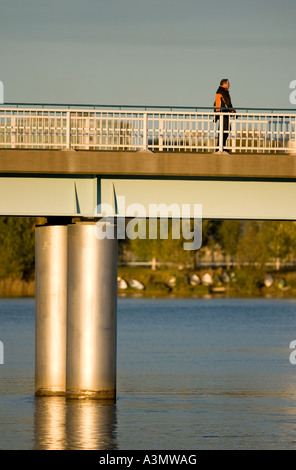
(226, 130)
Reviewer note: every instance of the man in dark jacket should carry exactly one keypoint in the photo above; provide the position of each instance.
(223, 104)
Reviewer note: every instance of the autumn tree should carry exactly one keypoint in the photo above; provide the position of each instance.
(17, 247)
(252, 251)
(229, 235)
(280, 239)
(165, 241)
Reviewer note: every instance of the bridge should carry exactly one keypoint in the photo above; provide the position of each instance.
(78, 158)
(75, 164)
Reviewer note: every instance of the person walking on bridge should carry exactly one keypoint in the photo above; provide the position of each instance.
(223, 104)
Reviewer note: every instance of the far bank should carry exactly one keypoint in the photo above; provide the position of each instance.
(165, 282)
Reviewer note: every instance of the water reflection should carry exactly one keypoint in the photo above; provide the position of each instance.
(91, 425)
(62, 424)
(50, 420)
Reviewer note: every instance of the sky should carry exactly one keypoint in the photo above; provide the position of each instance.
(153, 52)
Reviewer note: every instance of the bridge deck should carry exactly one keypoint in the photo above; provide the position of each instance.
(66, 183)
(143, 163)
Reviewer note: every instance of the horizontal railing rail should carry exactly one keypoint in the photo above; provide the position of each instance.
(137, 107)
(186, 129)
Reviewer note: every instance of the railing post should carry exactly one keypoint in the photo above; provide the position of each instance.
(233, 141)
(87, 128)
(13, 131)
(221, 132)
(68, 130)
(161, 131)
(145, 131)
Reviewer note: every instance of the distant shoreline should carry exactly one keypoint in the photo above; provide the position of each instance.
(16, 288)
(168, 283)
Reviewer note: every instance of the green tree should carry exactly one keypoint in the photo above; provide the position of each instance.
(17, 247)
(167, 246)
(229, 235)
(280, 239)
(252, 250)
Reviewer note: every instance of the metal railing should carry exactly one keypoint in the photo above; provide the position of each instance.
(158, 129)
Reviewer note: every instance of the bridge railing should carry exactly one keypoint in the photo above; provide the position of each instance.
(160, 129)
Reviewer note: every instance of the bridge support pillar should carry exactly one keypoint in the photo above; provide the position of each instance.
(92, 311)
(50, 309)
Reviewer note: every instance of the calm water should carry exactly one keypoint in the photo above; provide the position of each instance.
(192, 374)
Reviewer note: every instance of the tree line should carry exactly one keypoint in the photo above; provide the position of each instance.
(251, 244)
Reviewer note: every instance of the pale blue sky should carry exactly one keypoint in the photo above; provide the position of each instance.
(154, 52)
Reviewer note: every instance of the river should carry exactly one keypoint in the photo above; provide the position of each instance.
(191, 374)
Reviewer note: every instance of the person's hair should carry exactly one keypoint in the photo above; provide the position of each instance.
(223, 81)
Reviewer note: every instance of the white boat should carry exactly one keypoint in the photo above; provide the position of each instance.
(121, 283)
(136, 284)
(207, 279)
(194, 280)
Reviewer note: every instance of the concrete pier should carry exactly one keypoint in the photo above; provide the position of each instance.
(50, 309)
(92, 309)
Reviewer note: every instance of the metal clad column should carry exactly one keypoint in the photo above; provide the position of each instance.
(92, 308)
(50, 309)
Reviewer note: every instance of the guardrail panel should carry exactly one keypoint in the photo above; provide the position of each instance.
(109, 129)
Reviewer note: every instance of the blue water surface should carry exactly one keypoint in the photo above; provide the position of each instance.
(191, 374)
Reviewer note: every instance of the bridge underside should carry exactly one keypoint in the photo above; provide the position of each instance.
(53, 183)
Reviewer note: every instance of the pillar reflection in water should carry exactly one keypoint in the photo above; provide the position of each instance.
(62, 424)
(50, 419)
(91, 425)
